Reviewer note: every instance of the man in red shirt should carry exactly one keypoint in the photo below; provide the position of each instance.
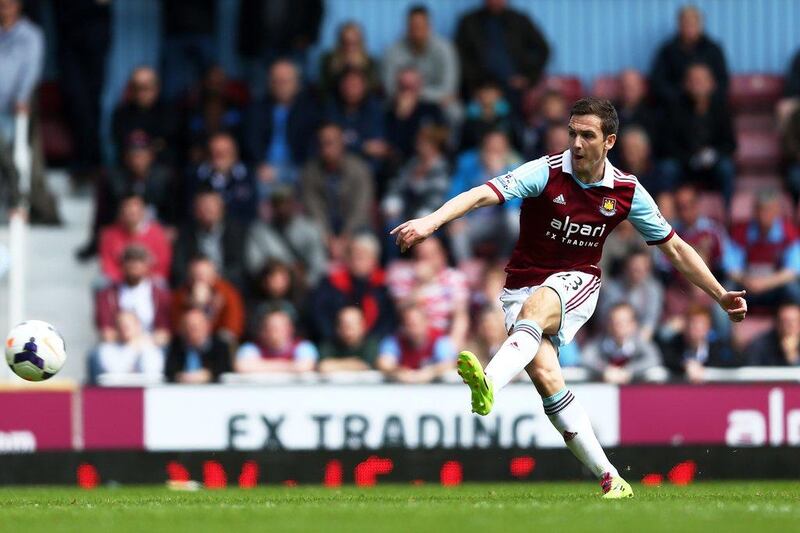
(571, 202)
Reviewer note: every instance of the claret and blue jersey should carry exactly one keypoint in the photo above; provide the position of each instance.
(565, 222)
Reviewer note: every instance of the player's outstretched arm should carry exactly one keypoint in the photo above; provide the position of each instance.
(689, 263)
(417, 230)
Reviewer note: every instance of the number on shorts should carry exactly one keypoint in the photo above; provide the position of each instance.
(571, 281)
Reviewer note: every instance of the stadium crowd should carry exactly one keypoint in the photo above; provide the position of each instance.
(243, 227)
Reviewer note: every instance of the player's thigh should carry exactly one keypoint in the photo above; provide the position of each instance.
(544, 307)
(545, 370)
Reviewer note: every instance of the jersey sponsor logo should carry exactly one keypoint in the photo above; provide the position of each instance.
(572, 233)
(559, 200)
(608, 207)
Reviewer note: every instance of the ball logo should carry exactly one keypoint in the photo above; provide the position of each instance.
(608, 207)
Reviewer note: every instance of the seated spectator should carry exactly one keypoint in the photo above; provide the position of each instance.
(360, 283)
(441, 291)
(275, 287)
(699, 142)
(495, 41)
(337, 189)
(488, 111)
(638, 288)
(635, 155)
(540, 115)
(204, 289)
(288, 237)
(131, 352)
(142, 109)
(133, 226)
(352, 349)
(489, 333)
(622, 242)
(209, 109)
(688, 47)
(434, 57)
(418, 353)
(196, 355)
(280, 126)
(697, 347)
(276, 348)
(790, 141)
(764, 255)
(360, 116)
(225, 172)
(421, 185)
(349, 53)
(212, 234)
(490, 231)
(781, 346)
(556, 139)
(621, 355)
(792, 87)
(633, 107)
(138, 292)
(407, 112)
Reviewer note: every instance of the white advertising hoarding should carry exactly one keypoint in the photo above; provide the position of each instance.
(334, 417)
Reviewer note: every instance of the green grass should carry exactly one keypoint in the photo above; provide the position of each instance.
(540, 507)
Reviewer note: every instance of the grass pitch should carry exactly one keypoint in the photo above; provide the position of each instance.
(565, 507)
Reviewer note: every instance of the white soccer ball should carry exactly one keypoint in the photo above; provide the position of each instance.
(35, 351)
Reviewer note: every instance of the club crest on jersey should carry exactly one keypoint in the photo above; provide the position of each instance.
(608, 207)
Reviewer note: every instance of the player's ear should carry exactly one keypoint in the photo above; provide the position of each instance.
(610, 140)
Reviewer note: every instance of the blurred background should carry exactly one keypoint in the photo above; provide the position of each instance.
(212, 181)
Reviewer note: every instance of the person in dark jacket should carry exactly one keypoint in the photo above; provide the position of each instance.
(690, 46)
(781, 346)
(196, 355)
(500, 43)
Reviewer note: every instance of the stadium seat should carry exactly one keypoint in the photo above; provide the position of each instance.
(712, 205)
(745, 331)
(755, 182)
(56, 137)
(606, 87)
(754, 122)
(755, 92)
(757, 150)
(569, 86)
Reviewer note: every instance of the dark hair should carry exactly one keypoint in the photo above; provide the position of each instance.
(602, 109)
(418, 9)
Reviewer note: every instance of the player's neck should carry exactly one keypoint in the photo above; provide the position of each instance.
(593, 176)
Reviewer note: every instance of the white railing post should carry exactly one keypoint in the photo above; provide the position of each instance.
(18, 224)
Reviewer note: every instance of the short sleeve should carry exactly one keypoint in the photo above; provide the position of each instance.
(305, 351)
(791, 257)
(443, 350)
(389, 347)
(523, 182)
(647, 219)
(247, 350)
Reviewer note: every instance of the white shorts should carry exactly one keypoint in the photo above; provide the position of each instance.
(578, 292)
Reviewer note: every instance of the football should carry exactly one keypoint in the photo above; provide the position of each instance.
(35, 351)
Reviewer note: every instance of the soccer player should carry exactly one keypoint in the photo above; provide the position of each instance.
(571, 202)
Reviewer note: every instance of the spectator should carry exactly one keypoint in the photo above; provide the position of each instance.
(359, 115)
(133, 226)
(489, 333)
(350, 53)
(689, 47)
(421, 185)
(275, 287)
(137, 292)
(539, 116)
(488, 111)
(280, 126)
(697, 348)
(407, 113)
(210, 108)
(764, 254)
(781, 346)
(435, 59)
(638, 288)
(189, 47)
(22, 49)
(276, 349)
(633, 107)
(142, 109)
(225, 172)
(210, 233)
(635, 155)
(492, 231)
(360, 283)
(622, 242)
(337, 189)
(418, 353)
(556, 139)
(621, 355)
(288, 237)
(699, 142)
(352, 349)
(497, 42)
(196, 355)
(272, 29)
(790, 140)
(217, 298)
(441, 291)
(792, 87)
(131, 352)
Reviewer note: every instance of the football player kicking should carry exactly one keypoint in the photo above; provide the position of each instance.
(571, 202)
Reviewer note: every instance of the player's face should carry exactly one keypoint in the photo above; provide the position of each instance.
(588, 145)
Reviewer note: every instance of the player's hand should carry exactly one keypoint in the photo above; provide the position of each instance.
(734, 304)
(412, 232)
